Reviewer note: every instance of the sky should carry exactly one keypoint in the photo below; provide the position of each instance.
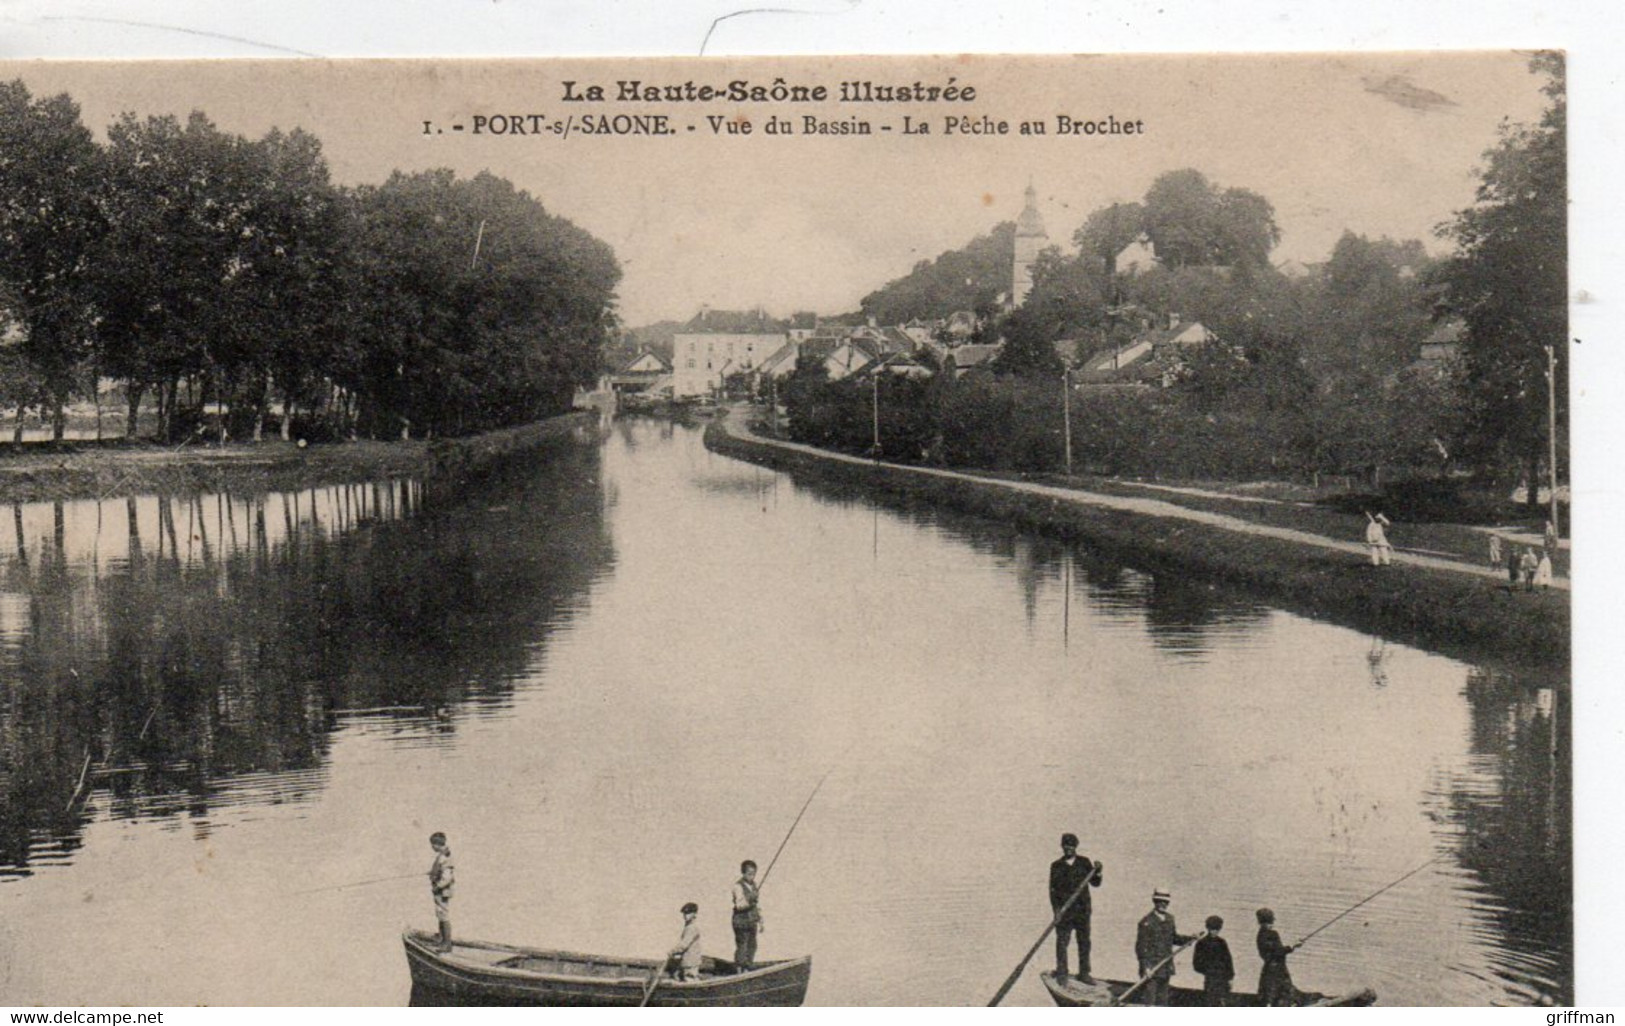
(1380, 144)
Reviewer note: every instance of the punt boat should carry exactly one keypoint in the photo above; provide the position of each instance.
(484, 973)
(1103, 994)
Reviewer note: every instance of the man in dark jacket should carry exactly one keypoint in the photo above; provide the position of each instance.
(1072, 874)
(1154, 948)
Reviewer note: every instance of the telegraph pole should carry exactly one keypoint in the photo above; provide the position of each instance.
(1066, 415)
(1551, 432)
(876, 452)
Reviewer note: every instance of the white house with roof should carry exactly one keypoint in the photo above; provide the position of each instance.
(1137, 257)
(719, 343)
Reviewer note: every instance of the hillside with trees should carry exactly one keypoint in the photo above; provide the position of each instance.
(969, 278)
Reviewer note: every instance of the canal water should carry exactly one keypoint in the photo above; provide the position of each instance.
(228, 725)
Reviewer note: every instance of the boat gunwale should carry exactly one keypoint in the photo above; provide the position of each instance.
(1342, 999)
(416, 940)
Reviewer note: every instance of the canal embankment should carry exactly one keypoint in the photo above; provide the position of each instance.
(1445, 604)
(67, 471)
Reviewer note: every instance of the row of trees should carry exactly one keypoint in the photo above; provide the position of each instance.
(1315, 373)
(199, 267)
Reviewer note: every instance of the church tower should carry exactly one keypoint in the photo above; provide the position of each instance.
(1030, 238)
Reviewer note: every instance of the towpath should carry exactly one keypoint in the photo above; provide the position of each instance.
(735, 424)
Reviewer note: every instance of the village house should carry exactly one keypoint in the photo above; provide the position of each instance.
(962, 360)
(1154, 356)
(643, 373)
(717, 344)
(1442, 346)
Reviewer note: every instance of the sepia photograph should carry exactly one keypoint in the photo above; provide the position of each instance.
(960, 530)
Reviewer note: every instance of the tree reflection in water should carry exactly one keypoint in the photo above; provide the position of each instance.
(181, 652)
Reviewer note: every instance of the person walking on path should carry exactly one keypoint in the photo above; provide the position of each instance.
(747, 917)
(1495, 552)
(1275, 989)
(1551, 537)
(1068, 876)
(684, 960)
(1212, 960)
(1376, 538)
(442, 879)
(1528, 563)
(1154, 947)
(1543, 569)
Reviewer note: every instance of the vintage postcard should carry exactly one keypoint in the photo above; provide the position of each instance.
(830, 531)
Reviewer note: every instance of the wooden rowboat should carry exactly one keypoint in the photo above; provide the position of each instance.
(483, 973)
(1103, 994)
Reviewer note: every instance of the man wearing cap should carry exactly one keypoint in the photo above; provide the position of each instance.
(1154, 947)
(1072, 874)
(684, 962)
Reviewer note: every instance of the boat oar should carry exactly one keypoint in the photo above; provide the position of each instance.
(1119, 999)
(1010, 981)
(1370, 897)
(654, 981)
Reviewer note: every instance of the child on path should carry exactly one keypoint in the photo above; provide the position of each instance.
(1543, 570)
(1528, 564)
(1377, 539)
(1495, 552)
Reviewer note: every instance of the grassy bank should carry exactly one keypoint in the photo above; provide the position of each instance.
(69, 470)
(1447, 612)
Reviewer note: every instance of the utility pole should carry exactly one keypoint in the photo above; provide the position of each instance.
(1551, 432)
(876, 451)
(1066, 415)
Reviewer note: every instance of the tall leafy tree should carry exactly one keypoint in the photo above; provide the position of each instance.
(1107, 231)
(49, 224)
(1192, 223)
(1508, 280)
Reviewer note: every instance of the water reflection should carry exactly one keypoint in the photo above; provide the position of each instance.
(263, 719)
(166, 656)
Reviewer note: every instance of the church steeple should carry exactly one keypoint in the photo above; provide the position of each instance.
(1030, 238)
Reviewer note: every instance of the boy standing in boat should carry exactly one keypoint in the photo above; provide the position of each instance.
(442, 877)
(1275, 988)
(1067, 877)
(1154, 947)
(747, 917)
(684, 962)
(1212, 960)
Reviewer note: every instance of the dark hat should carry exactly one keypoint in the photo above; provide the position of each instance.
(1069, 840)
(1266, 915)
(690, 907)
(1215, 922)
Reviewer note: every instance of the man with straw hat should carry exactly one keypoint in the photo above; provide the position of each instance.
(1154, 947)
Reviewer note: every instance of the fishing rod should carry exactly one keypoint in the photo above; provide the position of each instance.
(359, 883)
(1010, 981)
(804, 806)
(1366, 899)
(654, 977)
